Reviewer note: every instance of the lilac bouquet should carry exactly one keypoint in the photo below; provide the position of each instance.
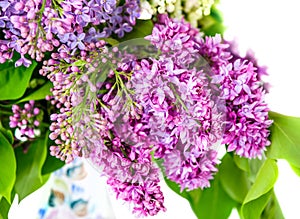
(141, 100)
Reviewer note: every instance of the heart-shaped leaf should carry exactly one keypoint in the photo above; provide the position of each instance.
(4, 208)
(14, 81)
(259, 193)
(39, 94)
(8, 170)
(285, 138)
(29, 168)
(209, 203)
(233, 179)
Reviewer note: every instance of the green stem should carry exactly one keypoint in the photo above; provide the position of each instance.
(6, 113)
(44, 125)
(6, 106)
(178, 98)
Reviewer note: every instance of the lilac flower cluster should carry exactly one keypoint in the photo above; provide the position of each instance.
(148, 198)
(121, 109)
(35, 27)
(121, 148)
(26, 120)
(86, 125)
(64, 75)
(186, 119)
(184, 124)
(246, 130)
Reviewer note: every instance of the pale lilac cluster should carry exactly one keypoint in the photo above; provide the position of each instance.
(27, 120)
(64, 76)
(35, 27)
(118, 19)
(176, 39)
(89, 123)
(246, 130)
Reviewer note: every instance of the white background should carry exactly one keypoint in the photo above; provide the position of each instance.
(271, 30)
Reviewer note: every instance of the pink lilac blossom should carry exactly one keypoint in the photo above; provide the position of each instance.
(246, 131)
(184, 122)
(27, 120)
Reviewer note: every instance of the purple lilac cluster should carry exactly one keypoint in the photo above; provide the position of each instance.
(246, 130)
(34, 27)
(184, 121)
(250, 56)
(120, 109)
(26, 120)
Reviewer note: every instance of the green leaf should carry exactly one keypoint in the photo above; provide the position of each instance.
(29, 168)
(285, 138)
(233, 179)
(254, 208)
(242, 163)
(4, 208)
(110, 41)
(7, 133)
(213, 23)
(140, 30)
(295, 169)
(51, 163)
(209, 203)
(39, 94)
(265, 180)
(8, 171)
(213, 202)
(259, 193)
(272, 210)
(14, 81)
